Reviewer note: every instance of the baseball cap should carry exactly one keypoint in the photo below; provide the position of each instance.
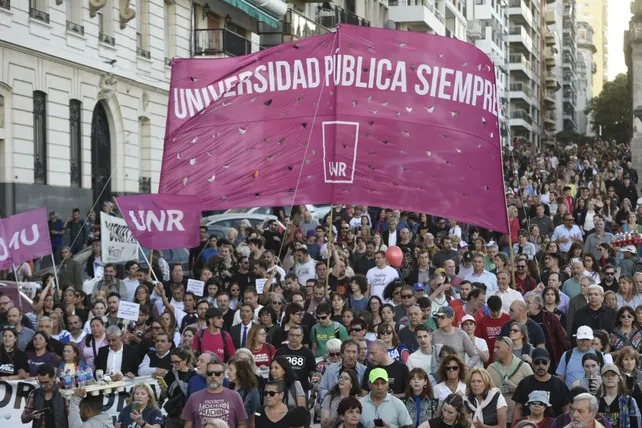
(377, 373)
(446, 311)
(440, 271)
(419, 286)
(584, 332)
(610, 368)
(468, 256)
(540, 354)
(213, 313)
(467, 318)
(492, 244)
(463, 244)
(628, 249)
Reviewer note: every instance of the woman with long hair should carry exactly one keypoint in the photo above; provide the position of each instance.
(277, 304)
(592, 379)
(452, 373)
(346, 386)
(627, 295)
(268, 319)
(243, 381)
(607, 255)
(275, 411)
(262, 351)
(141, 410)
(625, 332)
(281, 369)
(93, 342)
(358, 288)
(171, 327)
(13, 362)
(452, 414)
(142, 297)
(176, 380)
(419, 398)
(98, 310)
(551, 299)
(518, 333)
(574, 253)
(486, 402)
(628, 361)
(534, 237)
(591, 268)
(623, 216)
(58, 328)
(388, 315)
(396, 350)
(294, 314)
(375, 304)
(615, 403)
(41, 353)
(379, 245)
(337, 304)
(72, 362)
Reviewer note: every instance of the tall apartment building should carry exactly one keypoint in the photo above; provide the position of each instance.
(553, 98)
(595, 13)
(524, 56)
(569, 66)
(586, 67)
(488, 30)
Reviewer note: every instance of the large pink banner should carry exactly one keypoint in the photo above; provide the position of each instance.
(162, 222)
(361, 116)
(25, 237)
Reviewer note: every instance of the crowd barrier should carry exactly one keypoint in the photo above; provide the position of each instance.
(14, 393)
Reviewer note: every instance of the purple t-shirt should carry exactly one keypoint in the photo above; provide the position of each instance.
(35, 361)
(203, 407)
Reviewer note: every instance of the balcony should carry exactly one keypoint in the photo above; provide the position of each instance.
(336, 15)
(550, 117)
(550, 17)
(75, 28)
(520, 90)
(518, 62)
(550, 38)
(518, 34)
(294, 26)
(551, 80)
(38, 14)
(5, 4)
(220, 42)
(521, 119)
(143, 53)
(104, 38)
(417, 11)
(549, 97)
(520, 12)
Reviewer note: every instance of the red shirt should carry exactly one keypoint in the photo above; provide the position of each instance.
(488, 328)
(214, 343)
(263, 357)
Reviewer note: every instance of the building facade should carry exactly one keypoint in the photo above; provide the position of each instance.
(595, 13)
(586, 68)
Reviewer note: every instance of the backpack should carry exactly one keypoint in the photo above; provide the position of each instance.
(223, 336)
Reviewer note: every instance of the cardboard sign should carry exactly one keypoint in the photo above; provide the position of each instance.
(128, 310)
(260, 284)
(195, 286)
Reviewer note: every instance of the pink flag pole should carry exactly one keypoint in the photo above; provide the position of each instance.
(53, 263)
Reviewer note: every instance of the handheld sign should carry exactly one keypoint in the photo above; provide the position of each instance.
(260, 284)
(128, 310)
(195, 286)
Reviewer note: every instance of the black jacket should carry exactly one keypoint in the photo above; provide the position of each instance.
(131, 359)
(602, 319)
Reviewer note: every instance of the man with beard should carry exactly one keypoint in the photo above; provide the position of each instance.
(195, 262)
(25, 334)
(199, 382)
(109, 283)
(367, 261)
(226, 403)
(554, 387)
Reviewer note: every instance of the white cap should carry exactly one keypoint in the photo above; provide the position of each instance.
(467, 318)
(584, 332)
(628, 249)
(463, 244)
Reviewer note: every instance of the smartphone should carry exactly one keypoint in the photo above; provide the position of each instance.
(378, 422)
(136, 407)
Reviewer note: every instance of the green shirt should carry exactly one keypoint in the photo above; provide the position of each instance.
(321, 334)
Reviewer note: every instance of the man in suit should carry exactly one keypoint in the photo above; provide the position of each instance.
(390, 236)
(241, 331)
(117, 357)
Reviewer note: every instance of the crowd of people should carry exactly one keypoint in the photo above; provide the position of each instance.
(539, 327)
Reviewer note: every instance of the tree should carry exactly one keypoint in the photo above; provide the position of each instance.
(612, 111)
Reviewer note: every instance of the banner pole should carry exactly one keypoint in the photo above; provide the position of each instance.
(53, 263)
(151, 259)
(148, 262)
(327, 263)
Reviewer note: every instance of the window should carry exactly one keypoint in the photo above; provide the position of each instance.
(40, 137)
(75, 18)
(106, 23)
(170, 31)
(1, 111)
(142, 29)
(75, 142)
(38, 10)
(145, 154)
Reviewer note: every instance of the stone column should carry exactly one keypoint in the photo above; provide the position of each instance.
(633, 54)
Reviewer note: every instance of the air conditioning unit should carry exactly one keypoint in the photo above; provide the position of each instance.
(474, 30)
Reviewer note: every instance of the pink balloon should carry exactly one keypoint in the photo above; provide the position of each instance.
(394, 255)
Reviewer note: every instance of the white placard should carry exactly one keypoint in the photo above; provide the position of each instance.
(128, 310)
(117, 242)
(260, 284)
(195, 286)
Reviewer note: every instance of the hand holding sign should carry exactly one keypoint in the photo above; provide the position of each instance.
(128, 310)
(195, 286)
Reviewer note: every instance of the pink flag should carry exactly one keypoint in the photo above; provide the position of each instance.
(361, 116)
(26, 236)
(161, 222)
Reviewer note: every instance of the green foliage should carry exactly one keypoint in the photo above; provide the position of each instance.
(612, 111)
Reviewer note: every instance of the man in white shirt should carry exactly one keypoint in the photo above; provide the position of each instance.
(117, 358)
(304, 268)
(270, 259)
(380, 275)
(566, 233)
(507, 294)
(422, 357)
(131, 281)
(251, 298)
(157, 363)
(77, 334)
(480, 274)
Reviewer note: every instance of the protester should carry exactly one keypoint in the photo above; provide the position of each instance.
(141, 409)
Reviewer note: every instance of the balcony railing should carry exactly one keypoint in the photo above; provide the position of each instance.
(143, 53)
(39, 15)
(514, 87)
(336, 15)
(425, 3)
(104, 38)
(220, 41)
(521, 114)
(5, 4)
(300, 27)
(75, 28)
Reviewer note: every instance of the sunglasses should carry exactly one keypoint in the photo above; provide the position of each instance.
(321, 317)
(626, 317)
(214, 373)
(334, 354)
(270, 393)
(177, 362)
(540, 362)
(277, 303)
(536, 403)
(609, 273)
(385, 332)
(406, 296)
(515, 330)
(356, 330)
(452, 368)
